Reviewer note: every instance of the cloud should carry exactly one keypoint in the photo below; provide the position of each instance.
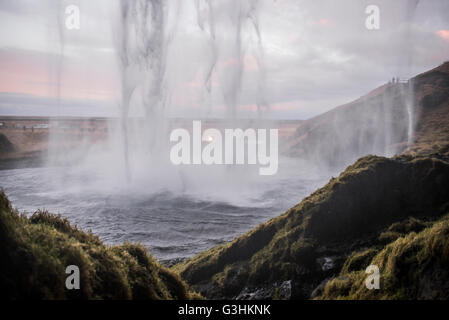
(323, 22)
(443, 34)
(36, 73)
(316, 54)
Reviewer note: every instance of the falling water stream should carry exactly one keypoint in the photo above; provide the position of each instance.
(127, 190)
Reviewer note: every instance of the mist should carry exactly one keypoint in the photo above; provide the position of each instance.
(152, 66)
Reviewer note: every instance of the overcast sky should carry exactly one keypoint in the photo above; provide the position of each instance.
(315, 55)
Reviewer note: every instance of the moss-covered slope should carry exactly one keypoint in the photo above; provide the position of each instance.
(414, 266)
(35, 252)
(310, 242)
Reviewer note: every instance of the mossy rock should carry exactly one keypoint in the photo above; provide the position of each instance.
(35, 252)
(359, 260)
(415, 266)
(402, 228)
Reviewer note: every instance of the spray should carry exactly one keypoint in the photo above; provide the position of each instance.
(409, 90)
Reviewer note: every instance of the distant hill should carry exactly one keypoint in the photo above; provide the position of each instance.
(378, 123)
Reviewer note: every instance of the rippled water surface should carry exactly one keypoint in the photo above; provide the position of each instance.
(171, 224)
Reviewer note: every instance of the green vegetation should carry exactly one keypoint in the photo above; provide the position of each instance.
(380, 211)
(415, 266)
(35, 252)
(358, 260)
(402, 228)
(374, 201)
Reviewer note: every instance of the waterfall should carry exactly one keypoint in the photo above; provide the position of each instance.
(412, 5)
(142, 48)
(56, 67)
(144, 34)
(410, 105)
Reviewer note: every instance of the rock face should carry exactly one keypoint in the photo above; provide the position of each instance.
(5, 145)
(35, 252)
(367, 206)
(432, 114)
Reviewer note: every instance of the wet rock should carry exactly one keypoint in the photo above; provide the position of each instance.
(171, 262)
(281, 291)
(285, 290)
(326, 263)
(319, 289)
(254, 294)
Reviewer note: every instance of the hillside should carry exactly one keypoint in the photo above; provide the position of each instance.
(377, 123)
(432, 127)
(392, 212)
(35, 252)
(310, 242)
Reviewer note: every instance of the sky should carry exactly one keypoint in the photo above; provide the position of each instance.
(294, 58)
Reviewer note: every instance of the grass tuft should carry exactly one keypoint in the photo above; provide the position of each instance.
(35, 252)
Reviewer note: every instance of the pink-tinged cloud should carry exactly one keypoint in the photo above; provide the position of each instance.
(231, 62)
(23, 73)
(34, 73)
(443, 34)
(249, 63)
(287, 106)
(282, 106)
(248, 107)
(293, 38)
(323, 22)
